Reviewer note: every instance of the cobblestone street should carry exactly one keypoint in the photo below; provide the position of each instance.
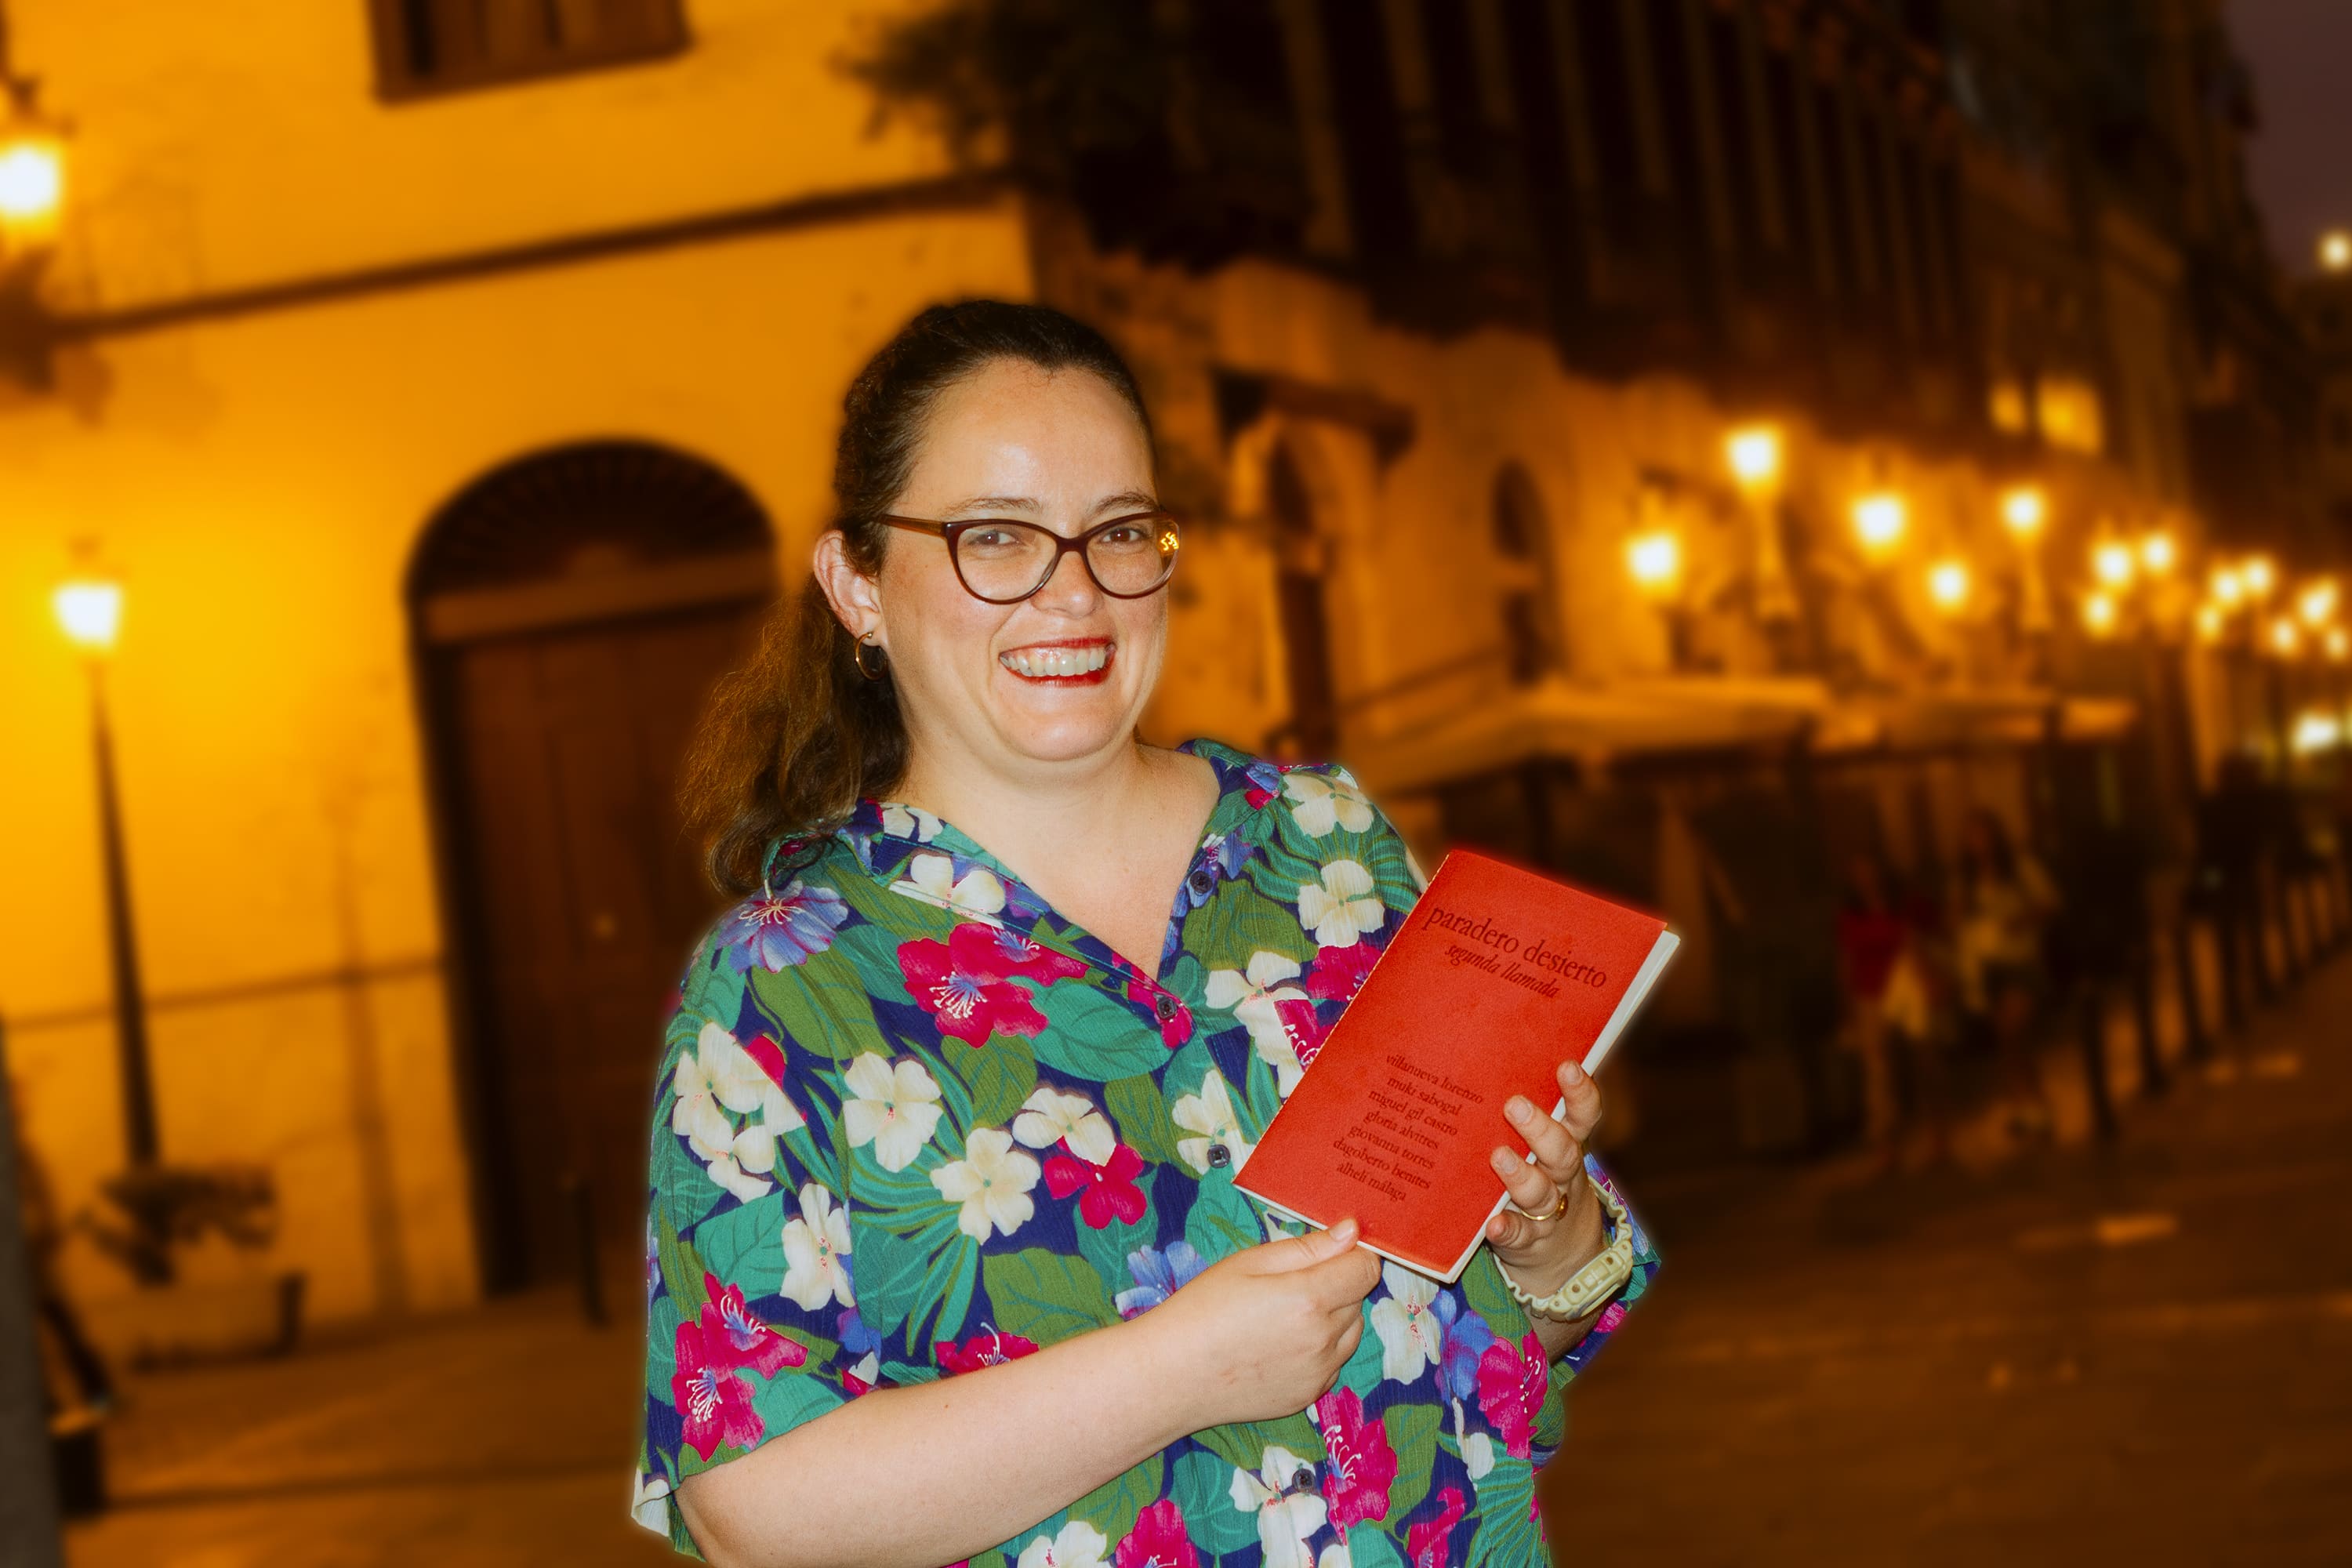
(2137, 1354)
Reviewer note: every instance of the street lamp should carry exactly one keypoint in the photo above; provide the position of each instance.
(32, 174)
(2024, 510)
(2317, 604)
(2113, 563)
(2158, 554)
(2336, 250)
(89, 611)
(2259, 576)
(1753, 453)
(2100, 614)
(1879, 519)
(1948, 585)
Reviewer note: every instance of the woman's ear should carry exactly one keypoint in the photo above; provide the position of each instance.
(857, 601)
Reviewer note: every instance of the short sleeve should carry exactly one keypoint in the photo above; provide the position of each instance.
(750, 1320)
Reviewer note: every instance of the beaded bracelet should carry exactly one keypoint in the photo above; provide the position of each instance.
(1593, 1284)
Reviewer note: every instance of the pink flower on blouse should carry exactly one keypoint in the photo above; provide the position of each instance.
(1424, 1543)
(1302, 1028)
(1511, 1388)
(1109, 1190)
(733, 1338)
(1176, 1027)
(714, 1403)
(962, 982)
(1338, 973)
(1158, 1540)
(1362, 1465)
(767, 1053)
(990, 1349)
(1032, 960)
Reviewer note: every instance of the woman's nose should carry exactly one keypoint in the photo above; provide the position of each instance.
(1069, 586)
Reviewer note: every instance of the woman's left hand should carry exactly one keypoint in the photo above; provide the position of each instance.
(1541, 1243)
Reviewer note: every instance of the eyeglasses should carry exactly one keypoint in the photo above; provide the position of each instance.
(1002, 561)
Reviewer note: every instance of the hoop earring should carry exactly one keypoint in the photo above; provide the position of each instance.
(858, 657)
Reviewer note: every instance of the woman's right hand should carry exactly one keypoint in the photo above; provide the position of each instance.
(1263, 1333)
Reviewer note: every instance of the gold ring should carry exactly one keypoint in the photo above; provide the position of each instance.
(1553, 1212)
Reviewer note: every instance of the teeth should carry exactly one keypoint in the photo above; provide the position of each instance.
(1035, 662)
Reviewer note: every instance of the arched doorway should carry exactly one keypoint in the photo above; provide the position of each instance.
(571, 610)
(1300, 558)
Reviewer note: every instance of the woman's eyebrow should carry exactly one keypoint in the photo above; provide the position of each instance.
(1127, 500)
(996, 503)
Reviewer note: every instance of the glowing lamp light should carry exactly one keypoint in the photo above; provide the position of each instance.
(89, 611)
(1947, 584)
(2339, 644)
(2287, 638)
(2316, 732)
(2024, 510)
(1879, 520)
(1754, 454)
(2099, 614)
(2336, 250)
(32, 182)
(2228, 588)
(2113, 563)
(2317, 604)
(2259, 576)
(2157, 554)
(2211, 622)
(1655, 560)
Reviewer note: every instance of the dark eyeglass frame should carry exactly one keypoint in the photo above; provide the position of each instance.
(952, 535)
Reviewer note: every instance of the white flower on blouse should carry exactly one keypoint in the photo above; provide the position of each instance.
(1342, 908)
(1477, 1448)
(651, 1504)
(991, 1182)
(1079, 1545)
(1335, 1556)
(931, 876)
(1286, 1518)
(1321, 804)
(1412, 1337)
(909, 822)
(1209, 1116)
(1252, 997)
(718, 1076)
(816, 1252)
(1051, 1117)
(894, 1109)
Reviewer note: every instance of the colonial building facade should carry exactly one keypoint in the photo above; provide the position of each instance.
(452, 383)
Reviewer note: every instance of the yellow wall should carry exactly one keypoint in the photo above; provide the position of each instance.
(215, 149)
(261, 483)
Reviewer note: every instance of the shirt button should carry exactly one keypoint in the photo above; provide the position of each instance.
(1165, 1006)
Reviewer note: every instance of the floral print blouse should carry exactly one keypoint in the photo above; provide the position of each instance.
(913, 1123)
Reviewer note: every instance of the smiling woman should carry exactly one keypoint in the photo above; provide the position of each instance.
(945, 1261)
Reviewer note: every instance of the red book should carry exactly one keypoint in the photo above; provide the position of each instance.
(1498, 976)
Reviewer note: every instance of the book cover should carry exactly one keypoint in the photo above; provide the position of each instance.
(1497, 977)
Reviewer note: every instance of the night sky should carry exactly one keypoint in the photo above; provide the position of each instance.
(2301, 53)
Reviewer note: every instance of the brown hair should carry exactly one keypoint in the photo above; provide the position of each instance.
(792, 742)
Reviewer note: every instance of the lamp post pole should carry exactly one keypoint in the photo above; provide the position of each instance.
(122, 942)
(28, 1495)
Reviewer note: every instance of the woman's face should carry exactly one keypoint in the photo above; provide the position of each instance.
(1060, 675)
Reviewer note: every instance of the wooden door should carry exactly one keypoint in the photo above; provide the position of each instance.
(584, 896)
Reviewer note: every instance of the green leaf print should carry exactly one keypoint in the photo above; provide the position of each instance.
(1243, 1444)
(888, 1270)
(1045, 1296)
(1220, 1221)
(1483, 1288)
(1240, 920)
(1368, 1548)
(873, 948)
(1204, 1490)
(999, 1075)
(903, 1374)
(1363, 1372)
(661, 1347)
(1141, 1117)
(682, 1181)
(745, 1247)
(825, 1005)
(1507, 1536)
(1107, 1249)
(793, 1395)
(1412, 1435)
(1090, 1035)
(1112, 1506)
(681, 1270)
(712, 994)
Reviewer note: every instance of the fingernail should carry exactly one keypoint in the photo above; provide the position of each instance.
(1503, 1162)
(1519, 1108)
(1346, 1229)
(1571, 1071)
